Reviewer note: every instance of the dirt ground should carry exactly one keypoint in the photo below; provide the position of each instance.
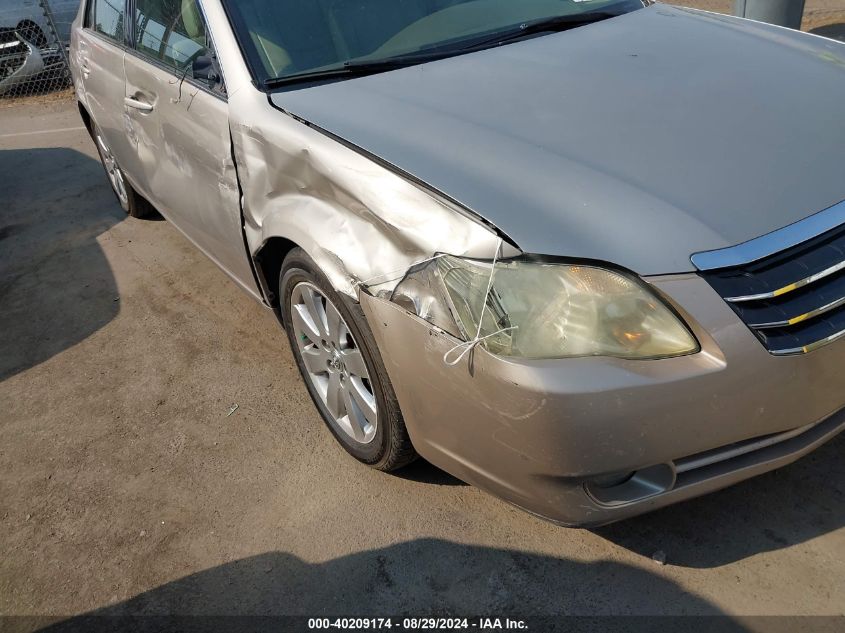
(127, 487)
(825, 17)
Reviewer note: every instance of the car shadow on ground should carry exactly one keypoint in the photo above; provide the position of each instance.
(833, 31)
(420, 577)
(56, 286)
(776, 510)
(425, 472)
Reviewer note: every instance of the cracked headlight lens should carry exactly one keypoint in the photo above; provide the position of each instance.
(548, 310)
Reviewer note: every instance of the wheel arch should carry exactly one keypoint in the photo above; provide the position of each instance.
(341, 244)
(268, 266)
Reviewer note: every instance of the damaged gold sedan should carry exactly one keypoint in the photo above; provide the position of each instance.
(512, 237)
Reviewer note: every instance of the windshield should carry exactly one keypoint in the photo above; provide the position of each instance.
(284, 38)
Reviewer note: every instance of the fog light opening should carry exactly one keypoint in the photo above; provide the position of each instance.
(613, 479)
(623, 488)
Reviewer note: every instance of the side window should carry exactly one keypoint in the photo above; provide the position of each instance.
(89, 14)
(108, 17)
(170, 31)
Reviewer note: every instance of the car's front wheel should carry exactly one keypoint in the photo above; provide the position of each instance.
(338, 358)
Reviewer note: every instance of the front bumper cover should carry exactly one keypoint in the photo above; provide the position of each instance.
(549, 435)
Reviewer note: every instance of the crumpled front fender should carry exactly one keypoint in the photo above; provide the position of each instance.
(362, 223)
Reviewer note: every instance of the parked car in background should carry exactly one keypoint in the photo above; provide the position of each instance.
(24, 65)
(31, 57)
(586, 255)
(28, 17)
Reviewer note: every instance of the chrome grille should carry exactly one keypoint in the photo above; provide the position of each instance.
(794, 301)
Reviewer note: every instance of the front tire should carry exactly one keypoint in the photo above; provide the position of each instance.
(342, 368)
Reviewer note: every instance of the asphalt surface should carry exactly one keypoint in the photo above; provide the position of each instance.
(126, 486)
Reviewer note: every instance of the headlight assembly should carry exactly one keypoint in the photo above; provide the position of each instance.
(545, 310)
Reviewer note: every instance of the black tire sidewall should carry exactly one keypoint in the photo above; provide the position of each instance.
(298, 268)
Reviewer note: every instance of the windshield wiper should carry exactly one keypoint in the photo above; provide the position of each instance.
(356, 68)
(360, 67)
(553, 24)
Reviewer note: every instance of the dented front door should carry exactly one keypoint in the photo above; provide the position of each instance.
(180, 130)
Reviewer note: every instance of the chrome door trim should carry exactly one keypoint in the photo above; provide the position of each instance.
(773, 242)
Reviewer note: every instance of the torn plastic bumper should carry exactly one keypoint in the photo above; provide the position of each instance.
(587, 441)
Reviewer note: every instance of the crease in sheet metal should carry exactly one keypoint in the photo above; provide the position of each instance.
(302, 185)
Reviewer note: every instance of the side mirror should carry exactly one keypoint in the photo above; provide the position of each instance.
(206, 69)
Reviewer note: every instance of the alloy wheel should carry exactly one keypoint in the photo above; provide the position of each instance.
(333, 362)
(113, 172)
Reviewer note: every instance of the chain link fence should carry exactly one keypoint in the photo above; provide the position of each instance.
(34, 38)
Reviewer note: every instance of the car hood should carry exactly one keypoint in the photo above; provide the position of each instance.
(638, 140)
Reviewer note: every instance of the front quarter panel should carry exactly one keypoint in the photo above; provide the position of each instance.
(361, 223)
(357, 219)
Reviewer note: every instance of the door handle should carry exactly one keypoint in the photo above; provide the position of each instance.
(82, 57)
(143, 106)
(83, 62)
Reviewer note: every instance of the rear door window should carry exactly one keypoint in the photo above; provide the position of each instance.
(109, 17)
